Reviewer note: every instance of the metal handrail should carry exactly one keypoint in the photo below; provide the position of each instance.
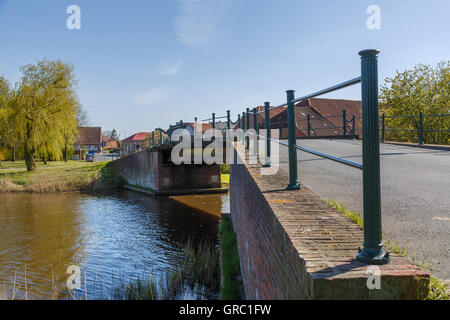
(417, 116)
(322, 92)
(340, 86)
(394, 129)
(420, 129)
(437, 115)
(432, 130)
(321, 154)
(217, 118)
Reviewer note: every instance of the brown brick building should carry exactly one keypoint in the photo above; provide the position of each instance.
(89, 139)
(134, 143)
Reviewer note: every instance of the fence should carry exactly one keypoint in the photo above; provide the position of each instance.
(213, 119)
(156, 140)
(416, 128)
(315, 125)
(372, 251)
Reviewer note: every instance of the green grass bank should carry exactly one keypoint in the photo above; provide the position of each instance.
(232, 287)
(57, 176)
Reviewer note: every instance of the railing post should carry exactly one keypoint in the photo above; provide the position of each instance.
(181, 128)
(292, 139)
(383, 130)
(247, 118)
(281, 127)
(243, 126)
(161, 137)
(228, 120)
(421, 128)
(372, 253)
(153, 139)
(268, 133)
(353, 127)
(344, 121)
(213, 120)
(255, 127)
(309, 124)
(239, 121)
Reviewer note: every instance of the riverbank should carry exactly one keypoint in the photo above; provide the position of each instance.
(57, 176)
(231, 282)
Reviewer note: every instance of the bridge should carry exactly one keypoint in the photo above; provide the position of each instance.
(154, 172)
(292, 245)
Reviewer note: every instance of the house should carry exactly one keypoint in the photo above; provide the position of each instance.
(188, 126)
(110, 142)
(89, 139)
(222, 126)
(109, 146)
(326, 117)
(203, 127)
(134, 143)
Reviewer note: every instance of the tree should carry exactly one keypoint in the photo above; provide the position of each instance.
(4, 106)
(113, 136)
(424, 89)
(82, 117)
(10, 134)
(46, 106)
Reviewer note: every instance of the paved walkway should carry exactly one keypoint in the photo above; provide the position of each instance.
(415, 193)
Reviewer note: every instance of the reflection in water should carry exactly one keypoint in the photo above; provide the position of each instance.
(214, 204)
(111, 237)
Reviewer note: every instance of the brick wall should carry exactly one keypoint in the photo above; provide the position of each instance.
(292, 246)
(148, 170)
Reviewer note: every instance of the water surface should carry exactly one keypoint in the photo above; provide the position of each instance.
(111, 237)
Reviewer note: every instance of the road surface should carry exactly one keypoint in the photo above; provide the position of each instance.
(415, 188)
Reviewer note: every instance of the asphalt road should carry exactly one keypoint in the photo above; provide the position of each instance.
(415, 188)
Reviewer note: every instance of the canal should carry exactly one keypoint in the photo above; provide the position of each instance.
(111, 238)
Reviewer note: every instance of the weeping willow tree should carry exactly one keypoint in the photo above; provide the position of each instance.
(46, 108)
(10, 133)
(424, 89)
(4, 108)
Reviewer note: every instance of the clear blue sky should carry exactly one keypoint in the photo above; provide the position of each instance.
(142, 64)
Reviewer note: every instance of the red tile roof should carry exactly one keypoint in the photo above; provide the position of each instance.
(330, 112)
(137, 137)
(261, 117)
(112, 144)
(326, 116)
(205, 126)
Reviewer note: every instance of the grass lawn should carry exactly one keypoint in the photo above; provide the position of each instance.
(54, 176)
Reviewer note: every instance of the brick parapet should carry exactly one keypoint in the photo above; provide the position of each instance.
(293, 246)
